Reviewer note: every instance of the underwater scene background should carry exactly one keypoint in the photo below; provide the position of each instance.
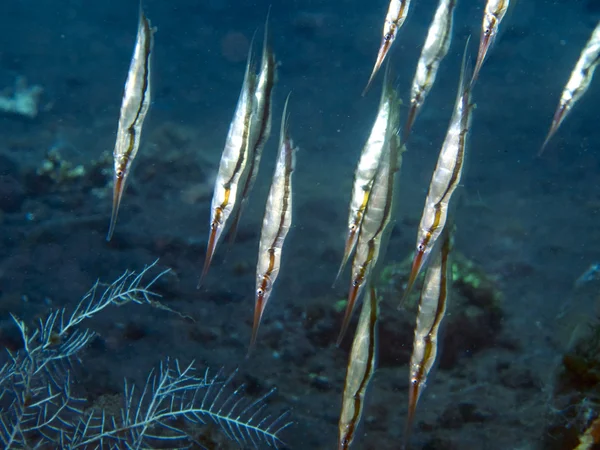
(518, 364)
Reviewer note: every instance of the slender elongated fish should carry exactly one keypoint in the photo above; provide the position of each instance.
(276, 224)
(446, 177)
(261, 125)
(361, 366)
(396, 15)
(375, 227)
(495, 11)
(233, 163)
(432, 308)
(385, 124)
(434, 51)
(136, 101)
(578, 83)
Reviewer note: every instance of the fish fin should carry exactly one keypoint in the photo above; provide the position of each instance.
(465, 82)
(284, 121)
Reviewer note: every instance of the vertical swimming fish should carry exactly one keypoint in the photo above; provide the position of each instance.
(578, 82)
(396, 15)
(261, 124)
(233, 163)
(375, 228)
(432, 308)
(361, 366)
(446, 178)
(494, 12)
(434, 51)
(385, 124)
(134, 107)
(276, 224)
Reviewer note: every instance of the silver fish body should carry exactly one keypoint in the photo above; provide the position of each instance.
(578, 83)
(385, 125)
(434, 51)
(361, 367)
(276, 224)
(233, 163)
(375, 227)
(446, 178)
(134, 107)
(261, 125)
(432, 308)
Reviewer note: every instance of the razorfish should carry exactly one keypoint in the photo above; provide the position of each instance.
(134, 107)
(385, 125)
(375, 228)
(432, 308)
(578, 83)
(233, 163)
(396, 15)
(276, 224)
(434, 51)
(446, 178)
(261, 124)
(494, 13)
(361, 366)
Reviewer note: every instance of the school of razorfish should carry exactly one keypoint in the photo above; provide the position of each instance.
(371, 212)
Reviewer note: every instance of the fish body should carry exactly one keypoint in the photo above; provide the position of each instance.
(385, 125)
(134, 107)
(261, 125)
(432, 308)
(361, 366)
(233, 163)
(394, 19)
(276, 224)
(578, 83)
(494, 13)
(446, 178)
(374, 230)
(434, 51)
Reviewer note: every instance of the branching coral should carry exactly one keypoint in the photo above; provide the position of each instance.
(39, 408)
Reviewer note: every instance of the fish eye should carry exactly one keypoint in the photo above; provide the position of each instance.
(487, 31)
(387, 37)
(353, 227)
(420, 247)
(260, 292)
(119, 173)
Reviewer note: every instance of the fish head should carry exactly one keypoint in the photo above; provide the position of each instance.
(121, 171)
(264, 287)
(489, 29)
